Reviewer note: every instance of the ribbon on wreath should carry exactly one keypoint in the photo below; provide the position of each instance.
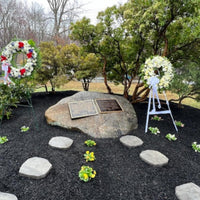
(6, 68)
(153, 84)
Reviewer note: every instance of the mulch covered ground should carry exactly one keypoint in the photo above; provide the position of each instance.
(121, 174)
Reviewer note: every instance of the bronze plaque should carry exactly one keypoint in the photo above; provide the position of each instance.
(108, 105)
(80, 109)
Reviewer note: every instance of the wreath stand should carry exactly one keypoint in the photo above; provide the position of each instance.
(154, 93)
(28, 48)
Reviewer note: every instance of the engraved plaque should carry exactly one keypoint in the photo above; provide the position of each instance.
(108, 105)
(80, 109)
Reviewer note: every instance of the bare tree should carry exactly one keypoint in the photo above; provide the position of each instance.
(63, 14)
(38, 24)
(6, 20)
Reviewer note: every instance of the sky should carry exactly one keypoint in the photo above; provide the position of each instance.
(91, 7)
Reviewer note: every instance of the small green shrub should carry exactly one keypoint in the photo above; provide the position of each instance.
(171, 137)
(90, 143)
(3, 139)
(11, 95)
(154, 130)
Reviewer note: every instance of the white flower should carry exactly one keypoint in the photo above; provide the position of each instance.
(151, 65)
(11, 49)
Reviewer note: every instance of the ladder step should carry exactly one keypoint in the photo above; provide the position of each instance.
(159, 112)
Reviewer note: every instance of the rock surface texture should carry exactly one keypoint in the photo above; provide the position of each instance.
(154, 158)
(102, 125)
(60, 142)
(131, 141)
(7, 196)
(188, 191)
(35, 167)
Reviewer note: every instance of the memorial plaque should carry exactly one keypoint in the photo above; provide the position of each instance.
(108, 105)
(80, 109)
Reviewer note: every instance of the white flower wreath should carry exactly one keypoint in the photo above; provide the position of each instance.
(161, 68)
(19, 47)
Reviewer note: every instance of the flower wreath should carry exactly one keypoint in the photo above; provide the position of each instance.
(161, 68)
(19, 47)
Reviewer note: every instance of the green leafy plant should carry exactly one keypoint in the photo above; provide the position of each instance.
(24, 128)
(90, 143)
(156, 118)
(154, 130)
(89, 156)
(196, 147)
(11, 95)
(86, 173)
(179, 123)
(3, 139)
(171, 137)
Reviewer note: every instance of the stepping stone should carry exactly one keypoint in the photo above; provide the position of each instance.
(188, 191)
(7, 196)
(154, 158)
(131, 141)
(60, 142)
(35, 167)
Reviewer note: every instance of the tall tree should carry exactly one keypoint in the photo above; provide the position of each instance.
(51, 66)
(90, 37)
(166, 26)
(88, 69)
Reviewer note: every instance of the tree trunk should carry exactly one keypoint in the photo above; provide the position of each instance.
(127, 86)
(165, 52)
(52, 86)
(105, 77)
(46, 89)
(136, 94)
(85, 84)
(125, 90)
(180, 101)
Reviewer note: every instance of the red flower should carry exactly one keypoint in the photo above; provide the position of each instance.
(9, 70)
(29, 55)
(22, 71)
(3, 58)
(21, 45)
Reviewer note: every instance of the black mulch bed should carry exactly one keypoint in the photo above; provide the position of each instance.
(121, 174)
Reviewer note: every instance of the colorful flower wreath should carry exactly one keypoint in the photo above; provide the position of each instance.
(15, 47)
(161, 68)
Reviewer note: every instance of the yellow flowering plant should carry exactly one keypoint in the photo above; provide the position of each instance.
(89, 156)
(86, 173)
(90, 143)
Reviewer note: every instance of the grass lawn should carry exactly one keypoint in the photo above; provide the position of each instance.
(117, 89)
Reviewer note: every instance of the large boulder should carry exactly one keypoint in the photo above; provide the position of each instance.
(106, 125)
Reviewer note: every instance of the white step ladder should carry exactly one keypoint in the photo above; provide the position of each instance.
(153, 92)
